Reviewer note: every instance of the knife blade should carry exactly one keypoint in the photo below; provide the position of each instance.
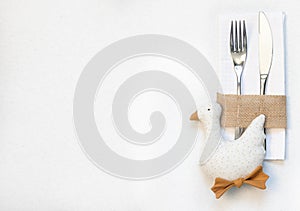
(265, 50)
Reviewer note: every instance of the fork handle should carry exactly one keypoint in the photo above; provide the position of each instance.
(238, 132)
(238, 70)
(238, 87)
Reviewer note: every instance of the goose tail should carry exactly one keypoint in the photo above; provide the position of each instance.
(256, 130)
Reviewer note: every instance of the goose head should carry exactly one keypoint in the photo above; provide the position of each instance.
(207, 113)
(209, 116)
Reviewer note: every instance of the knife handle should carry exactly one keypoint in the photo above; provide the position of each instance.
(263, 83)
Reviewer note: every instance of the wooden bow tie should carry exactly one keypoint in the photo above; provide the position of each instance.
(256, 178)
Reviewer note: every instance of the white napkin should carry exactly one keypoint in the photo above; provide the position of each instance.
(250, 80)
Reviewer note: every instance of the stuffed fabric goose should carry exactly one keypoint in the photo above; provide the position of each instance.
(232, 162)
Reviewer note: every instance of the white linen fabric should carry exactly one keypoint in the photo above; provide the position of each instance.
(250, 80)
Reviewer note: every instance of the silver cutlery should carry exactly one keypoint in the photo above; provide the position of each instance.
(238, 51)
(265, 51)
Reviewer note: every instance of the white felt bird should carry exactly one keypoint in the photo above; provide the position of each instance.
(230, 159)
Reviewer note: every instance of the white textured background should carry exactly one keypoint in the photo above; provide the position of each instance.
(44, 45)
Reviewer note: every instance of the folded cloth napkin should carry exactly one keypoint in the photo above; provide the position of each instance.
(250, 78)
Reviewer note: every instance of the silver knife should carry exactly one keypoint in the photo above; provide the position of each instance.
(265, 51)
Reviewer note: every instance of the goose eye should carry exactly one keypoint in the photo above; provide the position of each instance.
(208, 109)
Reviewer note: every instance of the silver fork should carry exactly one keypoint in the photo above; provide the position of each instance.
(238, 51)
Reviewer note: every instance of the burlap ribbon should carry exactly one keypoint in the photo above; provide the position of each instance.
(256, 178)
(240, 110)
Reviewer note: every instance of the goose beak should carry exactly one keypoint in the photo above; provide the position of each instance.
(194, 116)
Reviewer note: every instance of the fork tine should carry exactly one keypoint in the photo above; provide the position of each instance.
(240, 36)
(235, 37)
(231, 38)
(244, 36)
